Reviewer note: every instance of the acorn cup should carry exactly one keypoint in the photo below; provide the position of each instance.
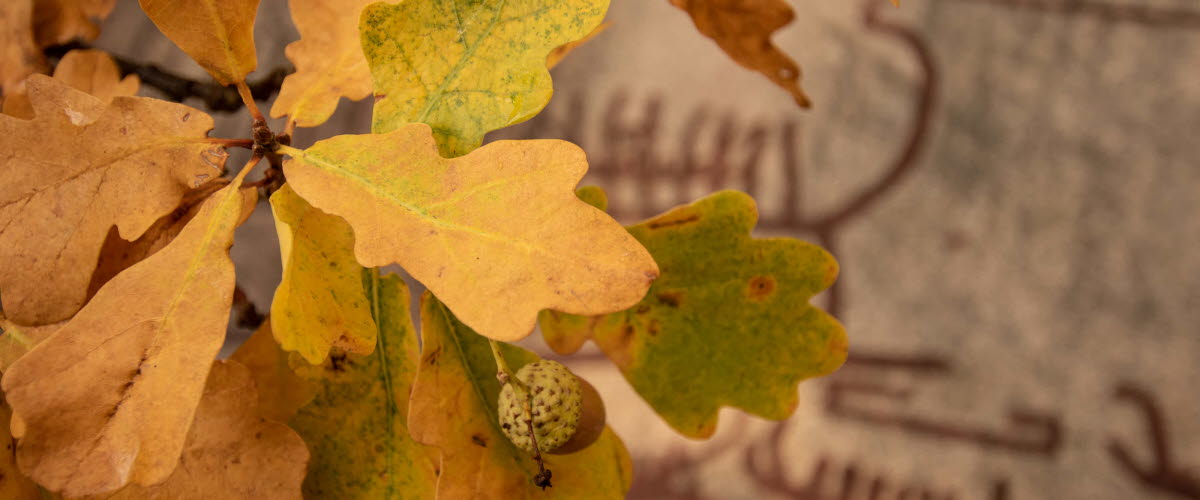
(566, 411)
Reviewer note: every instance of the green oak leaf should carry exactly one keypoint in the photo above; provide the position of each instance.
(727, 323)
(467, 67)
(356, 425)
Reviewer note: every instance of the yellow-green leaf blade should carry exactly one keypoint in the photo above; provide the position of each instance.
(454, 408)
(320, 302)
(357, 424)
(498, 234)
(109, 397)
(218, 34)
(467, 67)
(727, 324)
(328, 58)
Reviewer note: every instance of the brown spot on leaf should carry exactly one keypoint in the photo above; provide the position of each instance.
(338, 363)
(670, 298)
(669, 222)
(654, 327)
(761, 287)
(432, 358)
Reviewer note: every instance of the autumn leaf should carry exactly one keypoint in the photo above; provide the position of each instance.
(16, 340)
(19, 55)
(498, 234)
(108, 398)
(320, 302)
(218, 34)
(743, 29)
(467, 67)
(454, 408)
(231, 451)
(74, 171)
(356, 425)
(727, 324)
(328, 58)
(57, 22)
(91, 71)
(13, 484)
(280, 391)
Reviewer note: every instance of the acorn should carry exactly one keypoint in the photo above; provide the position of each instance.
(566, 411)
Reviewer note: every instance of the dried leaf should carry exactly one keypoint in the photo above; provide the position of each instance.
(454, 408)
(467, 67)
(231, 451)
(328, 58)
(74, 171)
(320, 302)
(743, 29)
(57, 22)
(218, 34)
(497, 234)
(108, 398)
(91, 71)
(13, 484)
(559, 53)
(280, 391)
(19, 55)
(16, 340)
(737, 303)
(356, 425)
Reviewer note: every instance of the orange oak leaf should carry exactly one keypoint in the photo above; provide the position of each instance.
(218, 34)
(60, 21)
(19, 55)
(13, 484)
(108, 398)
(328, 58)
(91, 71)
(231, 451)
(280, 391)
(743, 28)
(75, 170)
(497, 234)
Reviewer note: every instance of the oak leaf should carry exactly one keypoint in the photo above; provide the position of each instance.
(739, 304)
(454, 408)
(108, 398)
(356, 425)
(16, 340)
(57, 22)
(467, 67)
(78, 168)
(743, 29)
(559, 53)
(280, 391)
(13, 484)
(218, 34)
(19, 55)
(91, 71)
(231, 451)
(498, 234)
(328, 58)
(320, 302)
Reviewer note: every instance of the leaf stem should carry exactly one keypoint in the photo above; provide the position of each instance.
(290, 151)
(248, 99)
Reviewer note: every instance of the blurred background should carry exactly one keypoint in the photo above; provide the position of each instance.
(1010, 186)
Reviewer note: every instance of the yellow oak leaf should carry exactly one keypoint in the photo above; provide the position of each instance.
(467, 67)
(280, 391)
(454, 407)
(108, 398)
(328, 58)
(231, 451)
(320, 302)
(738, 303)
(74, 171)
(356, 425)
(91, 71)
(13, 484)
(218, 34)
(19, 55)
(58, 22)
(498, 234)
(743, 29)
